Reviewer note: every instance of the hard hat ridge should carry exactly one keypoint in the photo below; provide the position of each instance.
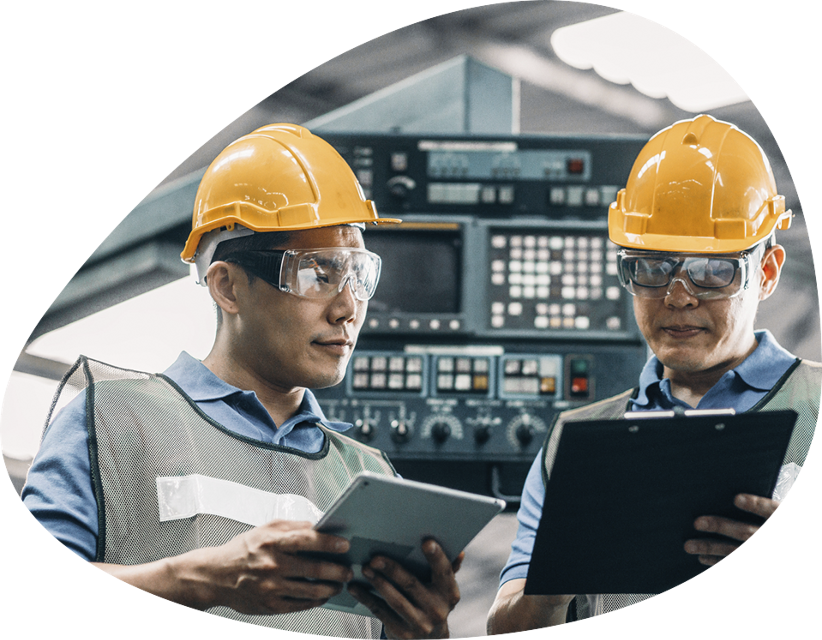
(279, 177)
(700, 185)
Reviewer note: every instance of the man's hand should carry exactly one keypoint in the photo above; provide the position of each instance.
(260, 572)
(410, 608)
(263, 571)
(712, 551)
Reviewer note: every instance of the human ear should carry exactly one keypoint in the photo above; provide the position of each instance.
(221, 279)
(771, 267)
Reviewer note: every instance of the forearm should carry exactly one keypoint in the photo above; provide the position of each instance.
(179, 579)
(514, 611)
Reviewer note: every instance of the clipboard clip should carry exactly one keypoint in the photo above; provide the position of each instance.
(678, 412)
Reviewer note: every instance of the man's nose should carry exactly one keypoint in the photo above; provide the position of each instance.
(345, 304)
(680, 293)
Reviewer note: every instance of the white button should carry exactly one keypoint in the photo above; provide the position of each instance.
(613, 323)
(498, 278)
(592, 197)
(515, 265)
(582, 322)
(516, 241)
(499, 242)
(568, 293)
(569, 309)
(574, 196)
(542, 241)
(530, 241)
(497, 321)
(596, 293)
(529, 254)
(568, 323)
(541, 322)
(454, 325)
(541, 267)
(557, 195)
(515, 278)
(611, 269)
(497, 307)
(529, 279)
(555, 243)
(543, 292)
(373, 323)
(582, 293)
(556, 323)
(498, 265)
(515, 292)
(542, 308)
(515, 254)
(595, 280)
(612, 293)
(556, 268)
(543, 279)
(543, 254)
(434, 324)
(414, 324)
(554, 309)
(506, 195)
(528, 292)
(393, 323)
(515, 309)
(569, 279)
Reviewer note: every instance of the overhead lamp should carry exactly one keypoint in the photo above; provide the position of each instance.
(627, 49)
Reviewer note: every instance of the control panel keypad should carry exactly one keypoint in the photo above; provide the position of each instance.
(530, 376)
(463, 375)
(387, 373)
(554, 281)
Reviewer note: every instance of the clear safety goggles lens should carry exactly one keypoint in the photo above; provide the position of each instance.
(315, 273)
(653, 275)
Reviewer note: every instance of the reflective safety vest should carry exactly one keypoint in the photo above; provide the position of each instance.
(799, 389)
(168, 479)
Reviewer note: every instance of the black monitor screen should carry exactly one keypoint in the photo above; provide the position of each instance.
(420, 271)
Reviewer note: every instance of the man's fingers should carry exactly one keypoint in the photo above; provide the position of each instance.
(763, 507)
(701, 547)
(734, 529)
(292, 537)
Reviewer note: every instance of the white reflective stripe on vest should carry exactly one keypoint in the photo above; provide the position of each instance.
(181, 497)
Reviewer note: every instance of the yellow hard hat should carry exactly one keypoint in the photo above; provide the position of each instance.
(280, 177)
(698, 186)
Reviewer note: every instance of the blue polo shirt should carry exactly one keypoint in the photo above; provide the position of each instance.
(58, 489)
(739, 389)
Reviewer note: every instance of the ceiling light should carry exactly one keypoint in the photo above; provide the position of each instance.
(627, 49)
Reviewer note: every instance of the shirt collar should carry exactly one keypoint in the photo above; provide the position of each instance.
(761, 370)
(203, 385)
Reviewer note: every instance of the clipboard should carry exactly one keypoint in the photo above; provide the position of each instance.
(623, 495)
(383, 515)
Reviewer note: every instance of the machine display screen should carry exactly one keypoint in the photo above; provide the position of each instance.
(421, 270)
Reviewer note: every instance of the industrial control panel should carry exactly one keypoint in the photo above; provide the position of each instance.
(498, 305)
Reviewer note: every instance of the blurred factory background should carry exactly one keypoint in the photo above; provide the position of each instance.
(497, 74)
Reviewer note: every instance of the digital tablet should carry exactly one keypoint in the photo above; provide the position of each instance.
(622, 497)
(382, 515)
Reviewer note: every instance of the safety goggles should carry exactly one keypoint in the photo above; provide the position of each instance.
(314, 273)
(652, 274)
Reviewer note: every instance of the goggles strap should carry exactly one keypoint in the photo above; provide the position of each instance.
(266, 265)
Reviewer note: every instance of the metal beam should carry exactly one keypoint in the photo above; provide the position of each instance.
(461, 95)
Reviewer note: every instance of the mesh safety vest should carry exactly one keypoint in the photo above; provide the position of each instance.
(143, 427)
(798, 389)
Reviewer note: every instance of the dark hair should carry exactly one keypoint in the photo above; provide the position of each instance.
(253, 242)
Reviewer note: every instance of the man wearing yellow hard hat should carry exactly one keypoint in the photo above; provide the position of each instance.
(696, 227)
(201, 484)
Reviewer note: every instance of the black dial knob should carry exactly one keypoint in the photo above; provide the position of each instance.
(440, 432)
(525, 433)
(482, 434)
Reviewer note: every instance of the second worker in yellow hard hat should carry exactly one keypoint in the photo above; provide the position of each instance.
(696, 230)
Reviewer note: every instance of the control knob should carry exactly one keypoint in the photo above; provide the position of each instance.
(400, 431)
(440, 432)
(365, 430)
(524, 428)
